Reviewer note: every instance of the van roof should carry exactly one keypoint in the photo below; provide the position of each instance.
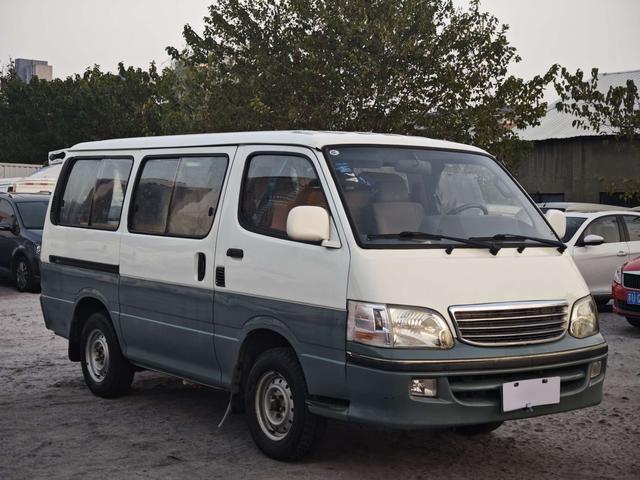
(312, 139)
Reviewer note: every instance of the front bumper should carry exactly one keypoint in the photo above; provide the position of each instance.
(469, 390)
(620, 305)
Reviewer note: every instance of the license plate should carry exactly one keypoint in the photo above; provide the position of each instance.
(530, 393)
(633, 298)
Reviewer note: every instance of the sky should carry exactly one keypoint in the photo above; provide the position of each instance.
(75, 34)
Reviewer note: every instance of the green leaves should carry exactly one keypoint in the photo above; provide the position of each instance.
(421, 67)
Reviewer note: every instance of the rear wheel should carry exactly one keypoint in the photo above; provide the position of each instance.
(479, 429)
(106, 372)
(23, 275)
(634, 321)
(275, 403)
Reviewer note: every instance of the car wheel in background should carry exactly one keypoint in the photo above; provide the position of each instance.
(106, 371)
(23, 275)
(634, 321)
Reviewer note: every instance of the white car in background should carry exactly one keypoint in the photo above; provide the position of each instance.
(600, 242)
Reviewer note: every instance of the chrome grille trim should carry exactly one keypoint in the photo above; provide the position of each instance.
(517, 323)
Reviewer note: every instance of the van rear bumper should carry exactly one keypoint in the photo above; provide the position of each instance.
(469, 391)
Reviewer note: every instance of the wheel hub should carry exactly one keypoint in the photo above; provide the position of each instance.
(97, 355)
(274, 405)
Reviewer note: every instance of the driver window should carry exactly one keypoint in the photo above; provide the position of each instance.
(605, 227)
(273, 186)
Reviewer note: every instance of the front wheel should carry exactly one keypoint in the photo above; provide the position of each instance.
(106, 371)
(23, 275)
(275, 403)
(479, 429)
(634, 321)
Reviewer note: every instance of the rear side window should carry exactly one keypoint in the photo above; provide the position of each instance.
(94, 193)
(273, 185)
(633, 226)
(177, 196)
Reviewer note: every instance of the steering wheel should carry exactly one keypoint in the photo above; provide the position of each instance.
(468, 206)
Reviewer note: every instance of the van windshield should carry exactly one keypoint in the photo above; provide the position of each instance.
(409, 196)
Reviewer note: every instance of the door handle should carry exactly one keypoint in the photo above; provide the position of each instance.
(235, 253)
(621, 254)
(202, 266)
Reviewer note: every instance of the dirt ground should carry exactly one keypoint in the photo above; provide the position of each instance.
(52, 427)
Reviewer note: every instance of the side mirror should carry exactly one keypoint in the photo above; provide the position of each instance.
(308, 224)
(592, 240)
(558, 221)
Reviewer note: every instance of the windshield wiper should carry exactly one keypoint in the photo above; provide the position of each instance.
(512, 236)
(493, 249)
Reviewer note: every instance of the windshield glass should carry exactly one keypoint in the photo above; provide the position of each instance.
(457, 194)
(573, 224)
(33, 214)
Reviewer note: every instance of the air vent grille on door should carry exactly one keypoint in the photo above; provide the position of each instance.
(220, 277)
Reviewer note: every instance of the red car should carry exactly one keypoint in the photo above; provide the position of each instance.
(626, 291)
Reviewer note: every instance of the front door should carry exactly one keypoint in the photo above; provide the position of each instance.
(632, 225)
(166, 263)
(267, 279)
(597, 263)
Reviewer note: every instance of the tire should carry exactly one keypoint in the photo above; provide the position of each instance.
(284, 429)
(106, 372)
(479, 429)
(634, 321)
(23, 275)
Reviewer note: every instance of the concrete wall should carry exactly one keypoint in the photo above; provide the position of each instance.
(576, 167)
(9, 170)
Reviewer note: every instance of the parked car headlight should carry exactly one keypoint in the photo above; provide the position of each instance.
(584, 318)
(617, 276)
(396, 326)
(38, 248)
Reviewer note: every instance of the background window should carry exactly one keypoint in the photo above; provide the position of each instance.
(178, 196)
(94, 193)
(275, 184)
(606, 227)
(633, 226)
(6, 212)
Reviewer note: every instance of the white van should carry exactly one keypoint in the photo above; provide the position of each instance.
(384, 279)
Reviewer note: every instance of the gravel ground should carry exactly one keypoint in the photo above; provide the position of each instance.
(52, 427)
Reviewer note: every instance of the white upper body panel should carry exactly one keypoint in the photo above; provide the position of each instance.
(304, 138)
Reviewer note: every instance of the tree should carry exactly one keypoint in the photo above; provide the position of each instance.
(419, 67)
(45, 115)
(614, 112)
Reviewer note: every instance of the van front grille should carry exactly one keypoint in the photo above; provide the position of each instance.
(519, 323)
(631, 280)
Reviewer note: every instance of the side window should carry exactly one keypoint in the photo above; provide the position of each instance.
(606, 227)
(94, 193)
(6, 212)
(633, 226)
(178, 196)
(273, 185)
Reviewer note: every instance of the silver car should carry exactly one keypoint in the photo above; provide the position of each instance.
(600, 242)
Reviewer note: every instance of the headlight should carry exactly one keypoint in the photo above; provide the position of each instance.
(38, 248)
(584, 318)
(394, 326)
(617, 276)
